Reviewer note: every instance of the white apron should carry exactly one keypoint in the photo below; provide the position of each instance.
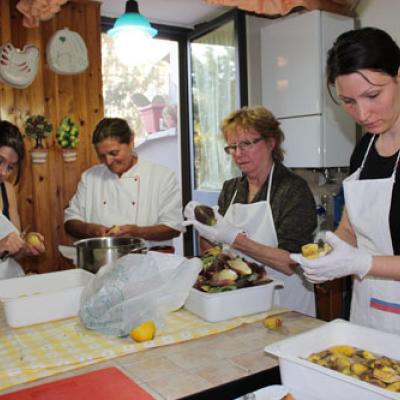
(256, 219)
(8, 268)
(375, 301)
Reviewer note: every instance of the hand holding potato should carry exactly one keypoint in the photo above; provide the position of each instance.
(96, 230)
(114, 231)
(122, 230)
(12, 243)
(35, 243)
(343, 260)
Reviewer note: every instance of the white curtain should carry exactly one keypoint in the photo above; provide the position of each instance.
(214, 97)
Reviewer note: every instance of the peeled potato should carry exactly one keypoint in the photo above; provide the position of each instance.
(313, 250)
(115, 230)
(272, 323)
(35, 240)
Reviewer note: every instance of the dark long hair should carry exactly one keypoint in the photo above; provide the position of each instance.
(10, 136)
(365, 48)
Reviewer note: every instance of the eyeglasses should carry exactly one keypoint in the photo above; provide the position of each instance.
(244, 145)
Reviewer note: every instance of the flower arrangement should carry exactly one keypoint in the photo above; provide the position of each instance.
(38, 127)
(67, 134)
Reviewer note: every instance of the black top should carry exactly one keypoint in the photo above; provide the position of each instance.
(292, 204)
(378, 167)
(4, 197)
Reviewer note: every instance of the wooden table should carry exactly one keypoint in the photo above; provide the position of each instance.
(222, 366)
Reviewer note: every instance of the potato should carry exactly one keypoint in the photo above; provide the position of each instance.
(315, 250)
(115, 230)
(35, 240)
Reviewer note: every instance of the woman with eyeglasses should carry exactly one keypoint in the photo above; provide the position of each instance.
(12, 245)
(364, 67)
(268, 211)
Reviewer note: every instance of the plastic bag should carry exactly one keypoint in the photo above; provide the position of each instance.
(137, 288)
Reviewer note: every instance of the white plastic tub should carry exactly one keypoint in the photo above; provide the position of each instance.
(214, 307)
(40, 298)
(309, 381)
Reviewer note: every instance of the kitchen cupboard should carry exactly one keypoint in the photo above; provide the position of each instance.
(45, 189)
(317, 131)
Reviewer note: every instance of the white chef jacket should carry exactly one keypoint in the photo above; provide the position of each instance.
(145, 195)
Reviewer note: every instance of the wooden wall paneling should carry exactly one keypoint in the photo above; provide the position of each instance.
(65, 96)
(52, 100)
(28, 101)
(82, 101)
(45, 189)
(6, 92)
(95, 102)
(43, 214)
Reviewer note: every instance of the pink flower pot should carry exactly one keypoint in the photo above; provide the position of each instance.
(151, 116)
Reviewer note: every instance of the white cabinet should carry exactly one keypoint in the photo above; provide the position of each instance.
(293, 52)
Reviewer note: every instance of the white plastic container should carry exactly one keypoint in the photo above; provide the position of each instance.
(41, 298)
(309, 381)
(214, 307)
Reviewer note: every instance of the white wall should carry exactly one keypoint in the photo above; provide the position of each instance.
(254, 26)
(383, 14)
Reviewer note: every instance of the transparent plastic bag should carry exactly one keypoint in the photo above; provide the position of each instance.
(137, 288)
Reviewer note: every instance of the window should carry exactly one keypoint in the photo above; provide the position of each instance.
(145, 91)
(216, 89)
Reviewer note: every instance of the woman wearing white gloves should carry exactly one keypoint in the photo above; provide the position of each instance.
(364, 66)
(269, 211)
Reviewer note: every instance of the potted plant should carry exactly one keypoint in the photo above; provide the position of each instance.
(38, 127)
(68, 138)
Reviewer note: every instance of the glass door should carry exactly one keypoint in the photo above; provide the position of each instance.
(145, 88)
(217, 87)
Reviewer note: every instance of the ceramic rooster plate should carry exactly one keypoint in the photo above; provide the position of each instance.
(18, 67)
(67, 53)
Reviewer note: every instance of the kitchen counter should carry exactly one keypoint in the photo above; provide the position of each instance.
(224, 365)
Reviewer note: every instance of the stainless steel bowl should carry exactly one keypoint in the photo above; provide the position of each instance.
(95, 252)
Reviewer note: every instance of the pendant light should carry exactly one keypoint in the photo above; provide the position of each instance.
(131, 31)
(132, 21)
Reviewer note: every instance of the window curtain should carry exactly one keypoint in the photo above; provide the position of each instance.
(214, 97)
(283, 7)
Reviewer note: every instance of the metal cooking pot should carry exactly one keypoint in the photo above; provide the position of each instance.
(95, 252)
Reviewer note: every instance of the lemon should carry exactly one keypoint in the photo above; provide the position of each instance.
(143, 332)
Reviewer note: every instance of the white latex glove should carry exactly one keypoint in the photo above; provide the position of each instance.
(222, 232)
(343, 260)
(188, 212)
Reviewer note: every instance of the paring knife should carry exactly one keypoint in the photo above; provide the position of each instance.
(5, 254)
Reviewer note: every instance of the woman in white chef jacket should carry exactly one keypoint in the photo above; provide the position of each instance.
(12, 245)
(364, 66)
(270, 204)
(141, 198)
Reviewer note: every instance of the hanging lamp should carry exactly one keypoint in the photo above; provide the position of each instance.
(131, 34)
(132, 23)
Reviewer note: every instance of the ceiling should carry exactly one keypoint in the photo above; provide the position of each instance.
(184, 13)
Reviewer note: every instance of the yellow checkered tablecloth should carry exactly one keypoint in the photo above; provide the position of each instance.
(37, 351)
